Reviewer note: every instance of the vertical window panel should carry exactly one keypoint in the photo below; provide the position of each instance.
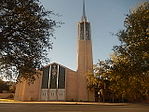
(53, 80)
(61, 79)
(45, 78)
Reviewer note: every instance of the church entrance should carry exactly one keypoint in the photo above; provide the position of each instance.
(53, 83)
(57, 95)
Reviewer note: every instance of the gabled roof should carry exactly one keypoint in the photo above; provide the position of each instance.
(58, 64)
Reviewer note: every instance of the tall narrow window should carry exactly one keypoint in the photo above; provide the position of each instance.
(53, 80)
(45, 78)
(61, 79)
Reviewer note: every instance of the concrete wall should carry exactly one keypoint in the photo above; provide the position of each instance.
(71, 85)
(19, 90)
(85, 64)
(28, 92)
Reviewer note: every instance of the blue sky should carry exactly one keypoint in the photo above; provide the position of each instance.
(106, 17)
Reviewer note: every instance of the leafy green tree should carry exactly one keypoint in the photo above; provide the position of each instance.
(26, 29)
(99, 81)
(135, 39)
(130, 69)
(127, 72)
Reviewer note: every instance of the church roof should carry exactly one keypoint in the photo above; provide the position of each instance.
(58, 64)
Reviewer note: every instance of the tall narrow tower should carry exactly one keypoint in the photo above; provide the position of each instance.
(85, 61)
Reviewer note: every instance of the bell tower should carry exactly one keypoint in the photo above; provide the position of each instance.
(85, 60)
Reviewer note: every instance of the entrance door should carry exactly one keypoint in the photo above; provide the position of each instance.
(61, 94)
(57, 95)
(44, 94)
(52, 94)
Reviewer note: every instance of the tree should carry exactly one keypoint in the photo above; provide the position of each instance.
(127, 70)
(3, 86)
(8, 86)
(98, 80)
(25, 31)
(130, 70)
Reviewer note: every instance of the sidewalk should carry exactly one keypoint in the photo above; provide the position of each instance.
(59, 102)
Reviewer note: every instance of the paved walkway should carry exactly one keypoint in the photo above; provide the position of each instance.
(16, 106)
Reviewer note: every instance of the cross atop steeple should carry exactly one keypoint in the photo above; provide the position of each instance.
(84, 18)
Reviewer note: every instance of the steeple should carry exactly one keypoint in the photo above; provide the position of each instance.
(84, 59)
(84, 26)
(84, 18)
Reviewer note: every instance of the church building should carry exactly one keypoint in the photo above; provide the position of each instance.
(59, 83)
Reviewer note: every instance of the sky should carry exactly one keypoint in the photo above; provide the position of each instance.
(106, 18)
